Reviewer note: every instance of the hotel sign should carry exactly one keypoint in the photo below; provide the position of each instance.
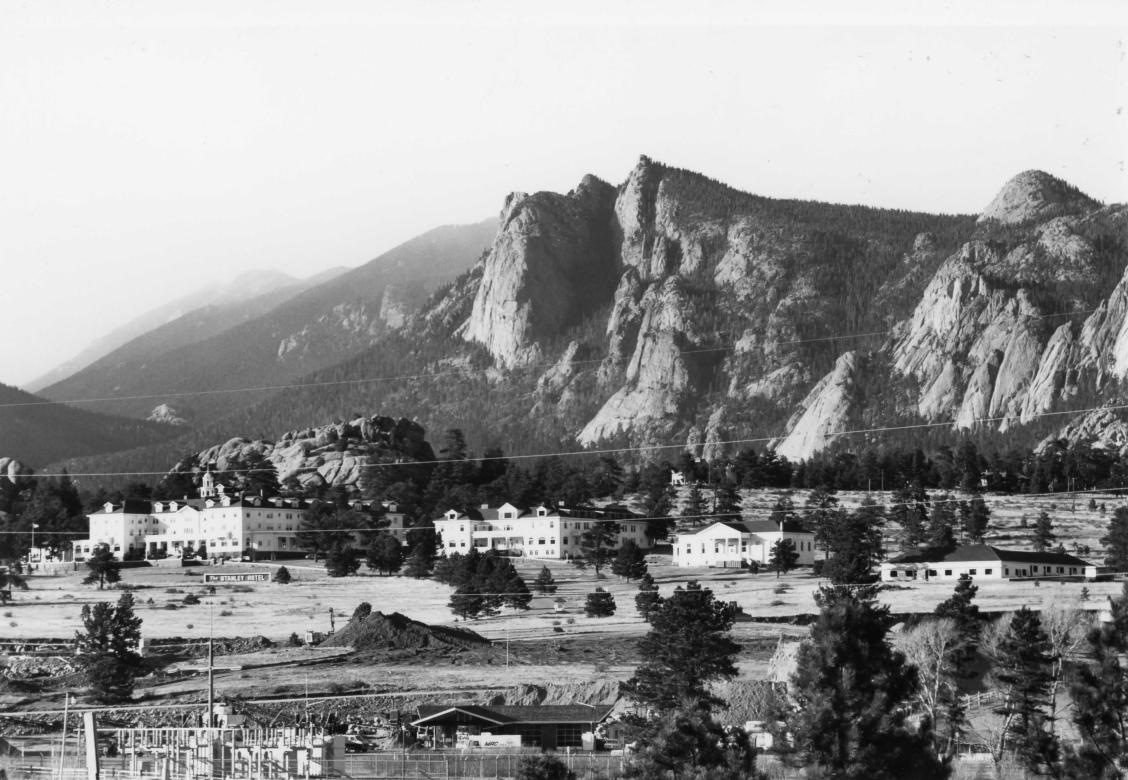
(236, 578)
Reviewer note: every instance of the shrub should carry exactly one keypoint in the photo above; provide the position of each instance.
(7, 614)
(282, 576)
(173, 590)
(570, 621)
(210, 589)
(191, 598)
(13, 624)
(189, 625)
(818, 568)
(781, 589)
(557, 629)
(295, 640)
(225, 613)
(170, 605)
(776, 603)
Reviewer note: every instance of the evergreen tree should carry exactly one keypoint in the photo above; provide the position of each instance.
(600, 603)
(819, 515)
(847, 715)
(363, 610)
(726, 502)
(857, 543)
(647, 599)
(971, 473)
(341, 561)
(103, 568)
(1100, 696)
(942, 524)
(544, 583)
(959, 607)
(1116, 540)
(695, 506)
(1043, 532)
(689, 743)
(256, 474)
(282, 576)
(467, 602)
(106, 649)
(910, 511)
(783, 511)
(784, 557)
(596, 545)
(688, 647)
(1022, 667)
(10, 579)
(630, 563)
(385, 554)
(975, 516)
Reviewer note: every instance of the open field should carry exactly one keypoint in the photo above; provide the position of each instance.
(543, 645)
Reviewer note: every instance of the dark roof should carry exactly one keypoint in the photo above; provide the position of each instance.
(544, 713)
(984, 552)
(757, 527)
(583, 512)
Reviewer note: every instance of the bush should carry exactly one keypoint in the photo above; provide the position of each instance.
(557, 630)
(189, 626)
(570, 621)
(173, 590)
(225, 613)
(776, 603)
(544, 766)
(818, 567)
(282, 576)
(295, 640)
(600, 603)
(7, 614)
(191, 598)
(781, 589)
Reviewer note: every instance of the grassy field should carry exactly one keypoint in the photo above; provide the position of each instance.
(544, 645)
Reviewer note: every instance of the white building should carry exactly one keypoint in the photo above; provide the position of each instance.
(982, 561)
(223, 524)
(544, 531)
(734, 544)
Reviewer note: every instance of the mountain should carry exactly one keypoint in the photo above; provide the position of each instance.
(37, 433)
(672, 312)
(222, 299)
(183, 364)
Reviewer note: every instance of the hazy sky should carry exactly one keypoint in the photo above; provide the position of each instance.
(147, 148)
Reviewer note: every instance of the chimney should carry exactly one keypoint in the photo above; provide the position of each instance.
(485, 506)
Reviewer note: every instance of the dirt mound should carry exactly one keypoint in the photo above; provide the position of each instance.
(746, 700)
(596, 692)
(198, 648)
(399, 632)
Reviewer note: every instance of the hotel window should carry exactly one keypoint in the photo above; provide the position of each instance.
(988, 572)
(1072, 569)
(972, 572)
(893, 573)
(932, 572)
(947, 572)
(1061, 570)
(1006, 572)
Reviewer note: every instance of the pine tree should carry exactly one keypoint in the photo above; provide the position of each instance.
(847, 714)
(647, 599)
(1100, 696)
(600, 603)
(857, 543)
(544, 583)
(695, 506)
(975, 516)
(959, 607)
(688, 647)
(689, 743)
(1043, 532)
(282, 576)
(341, 561)
(467, 602)
(596, 546)
(103, 568)
(363, 610)
(1116, 540)
(1022, 667)
(784, 557)
(630, 563)
(910, 511)
(106, 649)
(726, 502)
(421, 562)
(385, 554)
(543, 766)
(819, 515)
(941, 526)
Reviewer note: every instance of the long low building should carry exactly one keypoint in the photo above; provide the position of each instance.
(544, 531)
(737, 543)
(982, 561)
(549, 727)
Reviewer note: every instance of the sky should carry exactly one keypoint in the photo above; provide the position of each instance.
(148, 149)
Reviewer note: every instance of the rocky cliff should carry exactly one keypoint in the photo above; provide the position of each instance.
(334, 454)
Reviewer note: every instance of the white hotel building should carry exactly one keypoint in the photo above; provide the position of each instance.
(225, 524)
(544, 531)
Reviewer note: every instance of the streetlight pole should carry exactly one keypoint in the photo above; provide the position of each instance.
(29, 552)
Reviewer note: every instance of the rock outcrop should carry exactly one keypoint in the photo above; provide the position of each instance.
(1035, 195)
(166, 414)
(825, 412)
(333, 454)
(550, 264)
(14, 477)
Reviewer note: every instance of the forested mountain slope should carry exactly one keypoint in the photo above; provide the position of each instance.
(321, 326)
(37, 433)
(246, 288)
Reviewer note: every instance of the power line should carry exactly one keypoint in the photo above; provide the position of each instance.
(606, 451)
(436, 374)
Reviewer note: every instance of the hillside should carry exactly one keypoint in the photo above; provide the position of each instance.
(223, 302)
(39, 434)
(674, 311)
(322, 325)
